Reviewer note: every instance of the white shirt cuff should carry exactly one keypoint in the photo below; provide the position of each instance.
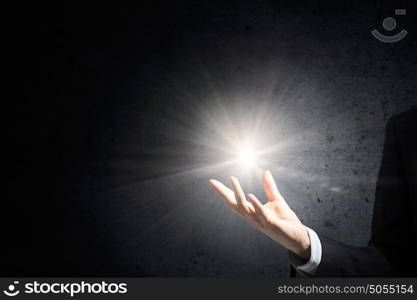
(312, 264)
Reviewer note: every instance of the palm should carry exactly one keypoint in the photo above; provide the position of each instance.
(275, 218)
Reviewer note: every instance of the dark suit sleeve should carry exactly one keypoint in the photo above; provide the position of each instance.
(389, 249)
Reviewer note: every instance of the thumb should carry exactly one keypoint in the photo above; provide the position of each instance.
(270, 187)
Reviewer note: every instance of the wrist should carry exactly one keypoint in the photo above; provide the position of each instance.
(304, 247)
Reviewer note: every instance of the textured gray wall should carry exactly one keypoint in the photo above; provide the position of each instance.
(322, 89)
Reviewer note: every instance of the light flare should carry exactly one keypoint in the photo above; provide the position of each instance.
(247, 156)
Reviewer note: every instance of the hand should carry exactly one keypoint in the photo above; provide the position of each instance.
(274, 218)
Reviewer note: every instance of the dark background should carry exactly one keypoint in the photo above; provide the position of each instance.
(104, 116)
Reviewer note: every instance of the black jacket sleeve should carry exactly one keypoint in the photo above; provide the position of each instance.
(390, 251)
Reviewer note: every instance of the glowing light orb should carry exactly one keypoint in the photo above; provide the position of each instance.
(247, 156)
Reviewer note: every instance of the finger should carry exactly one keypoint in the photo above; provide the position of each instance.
(257, 205)
(224, 191)
(270, 187)
(239, 195)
